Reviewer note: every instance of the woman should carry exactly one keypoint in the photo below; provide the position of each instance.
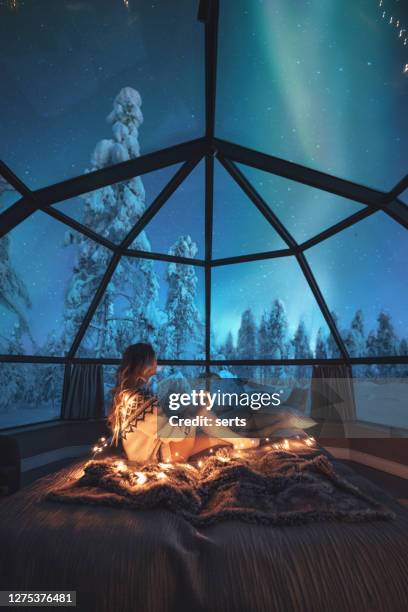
(137, 419)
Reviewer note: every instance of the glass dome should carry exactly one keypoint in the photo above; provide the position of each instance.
(236, 194)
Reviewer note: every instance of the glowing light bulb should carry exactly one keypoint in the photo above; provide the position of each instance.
(141, 478)
(95, 449)
(161, 475)
(121, 467)
(286, 444)
(200, 464)
(103, 439)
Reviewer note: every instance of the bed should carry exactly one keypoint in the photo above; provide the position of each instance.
(119, 560)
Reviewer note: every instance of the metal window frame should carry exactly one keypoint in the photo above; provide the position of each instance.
(189, 153)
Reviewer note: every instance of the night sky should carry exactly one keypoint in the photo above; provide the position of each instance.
(313, 82)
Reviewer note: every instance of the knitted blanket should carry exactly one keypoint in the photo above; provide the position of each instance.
(261, 487)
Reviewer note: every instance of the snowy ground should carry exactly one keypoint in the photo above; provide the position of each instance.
(385, 403)
(23, 415)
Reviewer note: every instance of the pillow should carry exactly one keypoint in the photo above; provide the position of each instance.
(267, 424)
(282, 418)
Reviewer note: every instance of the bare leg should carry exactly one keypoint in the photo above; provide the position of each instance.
(181, 451)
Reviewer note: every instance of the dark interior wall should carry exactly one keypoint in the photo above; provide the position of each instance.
(46, 448)
(392, 449)
(61, 434)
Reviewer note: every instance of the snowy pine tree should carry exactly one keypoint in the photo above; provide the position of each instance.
(13, 292)
(14, 378)
(112, 212)
(264, 348)
(387, 342)
(403, 347)
(181, 336)
(228, 349)
(246, 343)
(332, 348)
(402, 369)
(301, 348)
(278, 327)
(355, 339)
(321, 345)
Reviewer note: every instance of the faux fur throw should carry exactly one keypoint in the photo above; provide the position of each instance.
(269, 488)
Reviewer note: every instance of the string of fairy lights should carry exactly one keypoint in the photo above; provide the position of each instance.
(399, 28)
(297, 444)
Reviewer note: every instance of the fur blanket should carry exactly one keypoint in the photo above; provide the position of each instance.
(269, 488)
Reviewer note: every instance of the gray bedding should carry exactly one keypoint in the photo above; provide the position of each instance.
(123, 560)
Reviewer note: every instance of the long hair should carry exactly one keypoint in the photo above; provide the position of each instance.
(129, 378)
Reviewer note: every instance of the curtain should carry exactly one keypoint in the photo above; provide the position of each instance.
(332, 396)
(84, 392)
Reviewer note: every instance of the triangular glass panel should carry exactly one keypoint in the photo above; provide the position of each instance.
(88, 76)
(8, 195)
(256, 313)
(305, 211)
(48, 277)
(239, 228)
(361, 272)
(149, 301)
(404, 197)
(317, 85)
(181, 215)
(112, 211)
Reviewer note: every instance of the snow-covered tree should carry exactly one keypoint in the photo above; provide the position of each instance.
(332, 348)
(301, 348)
(246, 342)
(402, 369)
(13, 292)
(264, 346)
(112, 212)
(355, 338)
(228, 349)
(403, 347)
(278, 328)
(181, 336)
(321, 345)
(45, 381)
(13, 377)
(387, 342)
(272, 337)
